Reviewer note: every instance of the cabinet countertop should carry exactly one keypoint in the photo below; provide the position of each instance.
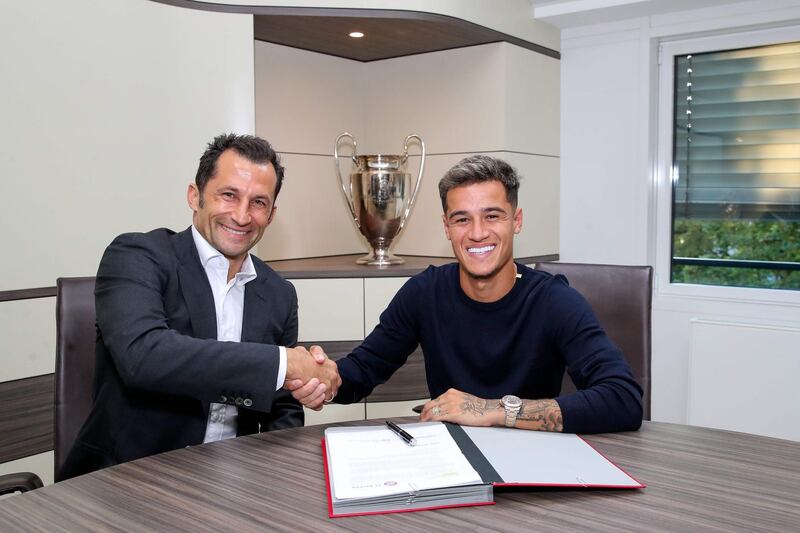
(344, 266)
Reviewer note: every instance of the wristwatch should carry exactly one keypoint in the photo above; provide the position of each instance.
(512, 404)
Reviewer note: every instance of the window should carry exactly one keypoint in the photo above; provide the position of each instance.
(735, 199)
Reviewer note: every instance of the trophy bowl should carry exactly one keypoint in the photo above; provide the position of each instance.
(380, 197)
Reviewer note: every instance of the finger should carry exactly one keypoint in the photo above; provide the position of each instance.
(301, 348)
(319, 354)
(306, 390)
(433, 415)
(337, 381)
(330, 375)
(317, 404)
(313, 398)
(432, 408)
(425, 415)
(293, 384)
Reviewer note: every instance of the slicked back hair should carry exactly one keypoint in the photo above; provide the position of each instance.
(479, 169)
(254, 149)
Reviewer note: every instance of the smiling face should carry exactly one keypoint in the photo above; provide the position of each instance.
(236, 207)
(481, 223)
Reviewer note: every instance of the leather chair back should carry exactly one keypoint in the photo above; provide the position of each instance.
(75, 342)
(621, 298)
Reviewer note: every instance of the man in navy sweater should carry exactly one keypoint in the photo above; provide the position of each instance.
(497, 335)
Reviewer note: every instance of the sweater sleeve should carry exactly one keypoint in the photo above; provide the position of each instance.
(608, 397)
(385, 349)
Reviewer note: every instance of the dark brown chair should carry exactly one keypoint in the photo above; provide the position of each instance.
(19, 482)
(75, 340)
(621, 298)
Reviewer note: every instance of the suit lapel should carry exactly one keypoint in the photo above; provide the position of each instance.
(195, 287)
(255, 306)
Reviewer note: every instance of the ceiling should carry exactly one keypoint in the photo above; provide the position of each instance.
(387, 34)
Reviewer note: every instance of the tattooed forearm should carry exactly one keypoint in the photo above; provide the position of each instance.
(477, 406)
(544, 415)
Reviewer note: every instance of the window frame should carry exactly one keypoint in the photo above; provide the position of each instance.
(667, 50)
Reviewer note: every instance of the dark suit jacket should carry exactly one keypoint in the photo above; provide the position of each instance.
(158, 363)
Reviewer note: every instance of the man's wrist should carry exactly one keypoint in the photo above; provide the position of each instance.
(283, 367)
(496, 412)
(294, 364)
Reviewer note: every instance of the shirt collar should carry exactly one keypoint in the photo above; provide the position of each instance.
(208, 252)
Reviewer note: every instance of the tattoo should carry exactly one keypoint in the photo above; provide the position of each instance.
(476, 406)
(546, 412)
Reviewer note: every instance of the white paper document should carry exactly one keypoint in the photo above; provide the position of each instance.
(373, 461)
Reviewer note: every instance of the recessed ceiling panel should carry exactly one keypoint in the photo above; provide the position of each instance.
(383, 37)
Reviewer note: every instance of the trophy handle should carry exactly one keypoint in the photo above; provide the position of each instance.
(419, 176)
(348, 197)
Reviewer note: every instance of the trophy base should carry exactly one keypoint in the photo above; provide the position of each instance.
(380, 258)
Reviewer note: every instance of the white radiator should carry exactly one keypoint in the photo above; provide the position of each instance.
(745, 377)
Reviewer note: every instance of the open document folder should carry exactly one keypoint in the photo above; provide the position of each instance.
(369, 469)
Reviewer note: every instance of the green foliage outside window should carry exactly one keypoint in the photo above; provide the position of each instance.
(761, 240)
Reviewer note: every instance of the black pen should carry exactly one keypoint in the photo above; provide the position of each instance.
(411, 441)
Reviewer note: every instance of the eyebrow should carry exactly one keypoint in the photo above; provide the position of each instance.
(492, 209)
(231, 188)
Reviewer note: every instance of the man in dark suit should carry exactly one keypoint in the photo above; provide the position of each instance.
(195, 335)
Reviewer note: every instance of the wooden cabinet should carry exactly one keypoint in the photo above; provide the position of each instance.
(330, 309)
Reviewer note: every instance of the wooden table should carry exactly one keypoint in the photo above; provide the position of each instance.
(697, 480)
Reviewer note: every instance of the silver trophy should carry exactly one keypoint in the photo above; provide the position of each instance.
(379, 197)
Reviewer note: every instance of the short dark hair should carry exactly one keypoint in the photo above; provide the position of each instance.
(254, 149)
(478, 169)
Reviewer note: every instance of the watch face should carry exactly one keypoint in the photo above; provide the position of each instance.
(511, 401)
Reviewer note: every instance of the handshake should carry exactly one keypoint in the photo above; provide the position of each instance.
(312, 378)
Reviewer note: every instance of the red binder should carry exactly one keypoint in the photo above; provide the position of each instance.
(502, 457)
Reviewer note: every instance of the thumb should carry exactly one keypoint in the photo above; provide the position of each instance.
(319, 354)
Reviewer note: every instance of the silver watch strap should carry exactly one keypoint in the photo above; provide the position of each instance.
(511, 417)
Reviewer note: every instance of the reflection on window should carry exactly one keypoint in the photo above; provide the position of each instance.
(736, 168)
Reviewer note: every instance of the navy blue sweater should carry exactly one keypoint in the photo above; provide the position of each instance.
(517, 345)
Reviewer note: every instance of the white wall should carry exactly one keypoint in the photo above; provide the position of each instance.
(106, 108)
(604, 172)
(496, 98)
(714, 346)
(608, 175)
(304, 100)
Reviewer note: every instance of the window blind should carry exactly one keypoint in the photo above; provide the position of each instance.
(737, 133)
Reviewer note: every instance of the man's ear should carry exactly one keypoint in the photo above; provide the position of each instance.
(518, 220)
(193, 197)
(446, 227)
(272, 214)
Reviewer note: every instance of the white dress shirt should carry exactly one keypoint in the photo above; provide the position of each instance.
(229, 308)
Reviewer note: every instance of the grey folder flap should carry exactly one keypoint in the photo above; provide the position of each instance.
(547, 459)
(474, 455)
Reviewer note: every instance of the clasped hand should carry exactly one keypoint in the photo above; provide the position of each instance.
(311, 376)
